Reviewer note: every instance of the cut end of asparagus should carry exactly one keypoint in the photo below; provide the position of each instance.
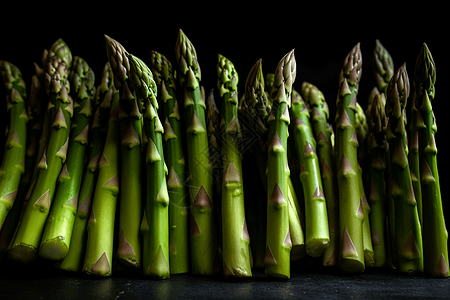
(317, 247)
(54, 249)
(23, 253)
(348, 265)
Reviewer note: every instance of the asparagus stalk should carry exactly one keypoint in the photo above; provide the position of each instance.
(235, 237)
(34, 126)
(98, 129)
(319, 114)
(377, 166)
(253, 109)
(351, 213)
(407, 226)
(204, 245)
(362, 132)
(58, 228)
(278, 240)
(435, 235)
(60, 110)
(131, 123)
(164, 76)
(413, 156)
(100, 225)
(316, 218)
(13, 163)
(156, 220)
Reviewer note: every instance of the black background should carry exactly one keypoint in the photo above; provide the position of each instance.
(322, 36)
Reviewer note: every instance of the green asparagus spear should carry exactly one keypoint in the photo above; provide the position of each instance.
(351, 213)
(100, 226)
(58, 229)
(204, 244)
(319, 111)
(407, 226)
(60, 110)
(13, 163)
(164, 76)
(131, 123)
(316, 218)
(235, 238)
(435, 236)
(156, 220)
(383, 66)
(35, 108)
(362, 132)
(413, 156)
(377, 165)
(278, 240)
(98, 129)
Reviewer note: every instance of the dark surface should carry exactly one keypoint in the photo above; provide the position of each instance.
(44, 282)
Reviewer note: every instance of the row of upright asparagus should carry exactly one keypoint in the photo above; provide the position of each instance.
(93, 175)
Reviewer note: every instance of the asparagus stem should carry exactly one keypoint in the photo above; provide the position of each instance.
(377, 166)
(362, 132)
(407, 226)
(204, 245)
(34, 126)
(174, 158)
(278, 240)
(435, 236)
(131, 123)
(351, 213)
(100, 226)
(319, 111)
(60, 110)
(317, 234)
(235, 237)
(13, 163)
(156, 236)
(58, 228)
(98, 129)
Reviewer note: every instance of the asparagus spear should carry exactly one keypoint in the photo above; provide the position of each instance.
(60, 110)
(319, 111)
(278, 240)
(58, 229)
(164, 76)
(407, 226)
(317, 234)
(383, 66)
(13, 163)
(204, 245)
(156, 220)
(435, 252)
(98, 129)
(351, 213)
(100, 226)
(362, 132)
(131, 123)
(34, 126)
(377, 166)
(235, 238)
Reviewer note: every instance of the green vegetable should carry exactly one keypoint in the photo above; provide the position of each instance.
(59, 114)
(203, 237)
(58, 229)
(408, 232)
(98, 129)
(435, 236)
(13, 164)
(164, 76)
(278, 240)
(351, 215)
(316, 218)
(235, 237)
